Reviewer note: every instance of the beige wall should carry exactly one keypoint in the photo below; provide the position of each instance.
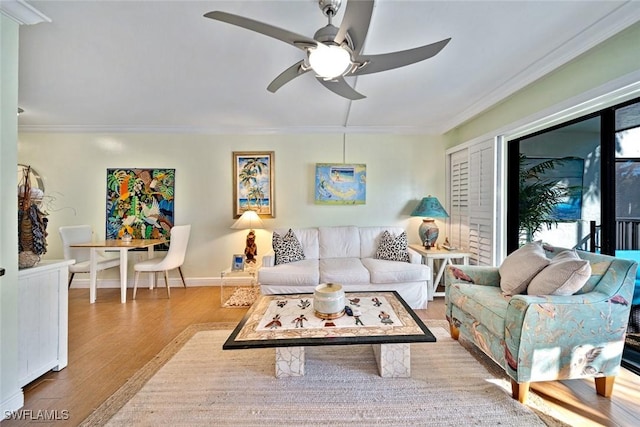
(400, 171)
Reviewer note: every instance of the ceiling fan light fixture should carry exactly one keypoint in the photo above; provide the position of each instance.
(329, 61)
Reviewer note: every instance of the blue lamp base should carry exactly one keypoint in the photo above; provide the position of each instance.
(428, 232)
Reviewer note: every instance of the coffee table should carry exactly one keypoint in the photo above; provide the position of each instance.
(288, 324)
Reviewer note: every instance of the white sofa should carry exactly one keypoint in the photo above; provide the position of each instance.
(345, 255)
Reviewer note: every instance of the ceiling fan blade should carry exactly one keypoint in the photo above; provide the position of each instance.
(389, 61)
(294, 39)
(286, 76)
(356, 20)
(341, 87)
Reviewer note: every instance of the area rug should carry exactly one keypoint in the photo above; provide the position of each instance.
(243, 297)
(201, 384)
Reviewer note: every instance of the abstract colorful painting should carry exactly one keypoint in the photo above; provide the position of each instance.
(140, 202)
(341, 184)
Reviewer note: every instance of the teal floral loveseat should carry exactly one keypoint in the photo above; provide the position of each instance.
(546, 337)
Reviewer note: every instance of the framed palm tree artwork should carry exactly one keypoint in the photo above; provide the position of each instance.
(253, 183)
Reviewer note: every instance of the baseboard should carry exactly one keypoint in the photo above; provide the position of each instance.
(12, 404)
(82, 283)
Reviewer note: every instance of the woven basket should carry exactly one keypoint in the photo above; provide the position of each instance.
(27, 259)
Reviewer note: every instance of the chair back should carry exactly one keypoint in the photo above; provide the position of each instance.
(75, 234)
(177, 246)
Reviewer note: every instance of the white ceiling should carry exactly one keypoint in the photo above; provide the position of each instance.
(160, 66)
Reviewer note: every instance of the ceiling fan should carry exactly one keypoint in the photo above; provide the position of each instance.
(334, 53)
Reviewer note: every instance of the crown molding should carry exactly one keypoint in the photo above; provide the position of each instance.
(22, 12)
(230, 130)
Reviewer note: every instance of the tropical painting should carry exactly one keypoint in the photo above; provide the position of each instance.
(140, 203)
(253, 183)
(341, 184)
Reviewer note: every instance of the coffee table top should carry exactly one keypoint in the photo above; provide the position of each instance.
(289, 321)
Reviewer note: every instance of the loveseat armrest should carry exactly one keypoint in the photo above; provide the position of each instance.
(560, 325)
(477, 274)
(269, 259)
(414, 256)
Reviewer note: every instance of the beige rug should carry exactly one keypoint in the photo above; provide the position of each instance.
(203, 385)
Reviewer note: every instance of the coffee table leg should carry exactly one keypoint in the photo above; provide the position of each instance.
(394, 360)
(289, 362)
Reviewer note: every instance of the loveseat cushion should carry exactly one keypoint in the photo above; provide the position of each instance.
(566, 274)
(522, 265)
(308, 238)
(299, 273)
(339, 242)
(343, 271)
(383, 271)
(370, 239)
(287, 248)
(486, 304)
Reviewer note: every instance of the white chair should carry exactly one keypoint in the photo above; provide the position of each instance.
(173, 259)
(82, 234)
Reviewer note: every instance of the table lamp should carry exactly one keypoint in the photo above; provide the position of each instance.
(430, 208)
(249, 220)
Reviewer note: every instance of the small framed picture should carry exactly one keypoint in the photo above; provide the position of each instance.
(237, 263)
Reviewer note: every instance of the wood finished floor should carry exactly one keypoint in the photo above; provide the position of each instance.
(110, 341)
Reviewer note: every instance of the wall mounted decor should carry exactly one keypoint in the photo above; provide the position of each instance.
(32, 220)
(565, 174)
(341, 184)
(253, 183)
(140, 203)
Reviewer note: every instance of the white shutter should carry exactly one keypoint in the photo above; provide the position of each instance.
(459, 199)
(471, 200)
(481, 190)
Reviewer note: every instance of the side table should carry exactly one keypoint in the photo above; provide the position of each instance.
(230, 279)
(446, 257)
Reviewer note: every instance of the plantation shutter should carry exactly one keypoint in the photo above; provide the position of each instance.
(481, 192)
(459, 199)
(471, 201)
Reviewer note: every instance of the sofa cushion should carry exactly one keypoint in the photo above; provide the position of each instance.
(339, 242)
(287, 248)
(566, 274)
(343, 271)
(520, 267)
(308, 238)
(486, 304)
(393, 248)
(370, 239)
(298, 273)
(383, 271)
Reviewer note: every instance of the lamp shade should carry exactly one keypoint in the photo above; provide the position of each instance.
(249, 220)
(430, 207)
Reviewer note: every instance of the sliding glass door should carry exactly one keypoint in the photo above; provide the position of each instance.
(555, 185)
(577, 185)
(627, 213)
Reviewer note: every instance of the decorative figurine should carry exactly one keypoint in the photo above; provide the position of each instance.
(251, 250)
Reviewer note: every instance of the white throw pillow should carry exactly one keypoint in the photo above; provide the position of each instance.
(520, 267)
(566, 274)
